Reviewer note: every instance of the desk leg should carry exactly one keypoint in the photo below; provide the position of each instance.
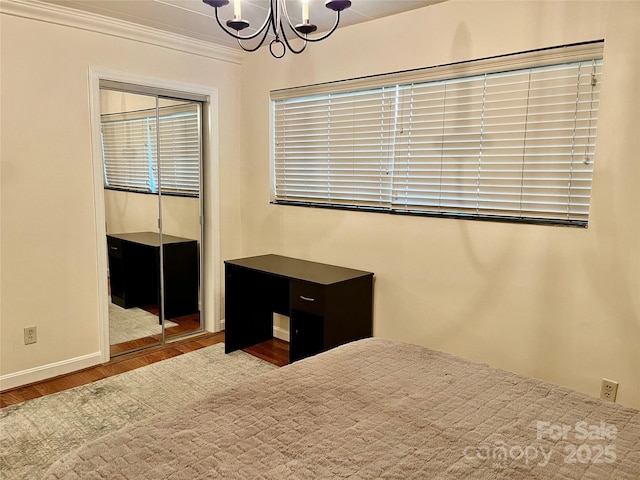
(248, 313)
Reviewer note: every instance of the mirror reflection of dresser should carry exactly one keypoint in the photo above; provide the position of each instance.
(134, 260)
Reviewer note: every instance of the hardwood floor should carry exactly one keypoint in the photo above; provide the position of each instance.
(274, 351)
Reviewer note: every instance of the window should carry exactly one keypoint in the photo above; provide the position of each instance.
(130, 150)
(509, 138)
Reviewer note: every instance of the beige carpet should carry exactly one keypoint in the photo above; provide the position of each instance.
(34, 434)
(131, 323)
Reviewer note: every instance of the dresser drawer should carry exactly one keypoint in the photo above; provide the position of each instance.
(115, 247)
(307, 297)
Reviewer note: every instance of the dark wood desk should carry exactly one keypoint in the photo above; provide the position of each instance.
(134, 266)
(327, 305)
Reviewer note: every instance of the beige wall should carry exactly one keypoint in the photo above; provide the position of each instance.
(557, 303)
(138, 212)
(48, 230)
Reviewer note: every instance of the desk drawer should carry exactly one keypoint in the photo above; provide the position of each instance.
(307, 297)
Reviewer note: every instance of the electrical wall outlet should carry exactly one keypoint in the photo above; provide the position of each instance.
(30, 335)
(609, 390)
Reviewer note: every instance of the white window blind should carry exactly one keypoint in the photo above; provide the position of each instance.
(514, 144)
(180, 152)
(130, 151)
(336, 148)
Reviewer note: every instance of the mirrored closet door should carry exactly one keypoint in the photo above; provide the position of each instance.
(152, 157)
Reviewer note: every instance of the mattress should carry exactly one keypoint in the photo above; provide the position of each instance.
(374, 409)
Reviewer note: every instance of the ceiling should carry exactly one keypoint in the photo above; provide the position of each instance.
(195, 19)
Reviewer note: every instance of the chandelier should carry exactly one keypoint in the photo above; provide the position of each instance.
(275, 22)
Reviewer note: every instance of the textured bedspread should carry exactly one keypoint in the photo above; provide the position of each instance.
(375, 409)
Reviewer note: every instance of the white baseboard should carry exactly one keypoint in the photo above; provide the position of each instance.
(37, 374)
(278, 332)
(281, 333)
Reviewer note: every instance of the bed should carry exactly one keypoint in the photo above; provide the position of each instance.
(374, 409)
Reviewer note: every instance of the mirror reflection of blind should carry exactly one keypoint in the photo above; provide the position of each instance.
(130, 157)
(517, 144)
(125, 145)
(180, 152)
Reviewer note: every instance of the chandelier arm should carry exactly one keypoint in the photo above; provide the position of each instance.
(248, 37)
(274, 22)
(274, 17)
(253, 49)
(286, 41)
(318, 39)
(286, 15)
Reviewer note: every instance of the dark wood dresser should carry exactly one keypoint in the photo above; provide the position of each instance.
(134, 266)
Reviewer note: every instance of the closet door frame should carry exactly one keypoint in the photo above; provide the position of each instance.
(210, 287)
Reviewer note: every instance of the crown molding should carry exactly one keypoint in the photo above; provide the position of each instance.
(68, 17)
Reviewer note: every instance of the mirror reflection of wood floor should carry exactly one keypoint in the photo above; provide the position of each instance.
(185, 325)
(274, 351)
